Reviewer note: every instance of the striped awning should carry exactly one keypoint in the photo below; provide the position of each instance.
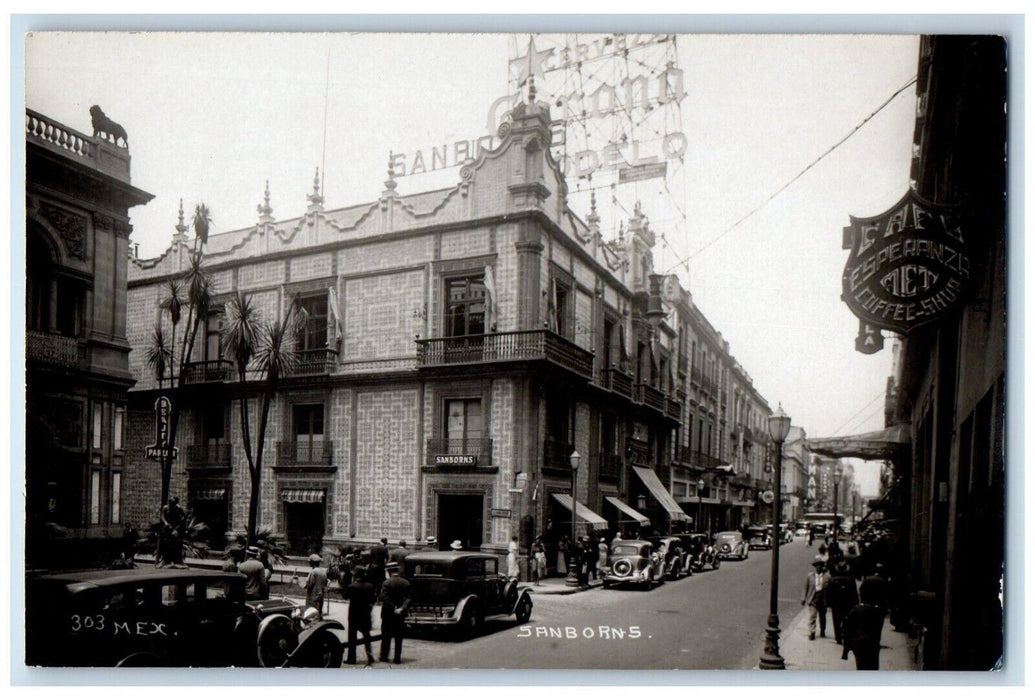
(584, 513)
(636, 515)
(660, 493)
(303, 495)
(210, 495)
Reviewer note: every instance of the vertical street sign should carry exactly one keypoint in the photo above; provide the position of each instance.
(161, 448)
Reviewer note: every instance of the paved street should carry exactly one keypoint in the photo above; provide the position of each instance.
(708, 621)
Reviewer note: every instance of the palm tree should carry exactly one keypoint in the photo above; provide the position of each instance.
(264, 350)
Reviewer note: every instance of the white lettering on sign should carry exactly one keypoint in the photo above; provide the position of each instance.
(605, 632)
(456, 460)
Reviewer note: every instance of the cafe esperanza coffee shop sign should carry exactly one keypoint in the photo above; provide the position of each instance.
(907, 267)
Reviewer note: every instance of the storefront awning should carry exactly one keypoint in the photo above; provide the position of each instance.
(302, 495)
(636, 515)
(210, 495)
(660, 493)
(584, 513)
(879, 444)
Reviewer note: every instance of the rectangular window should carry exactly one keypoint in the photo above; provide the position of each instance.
(608, 349)
(314, 335)
(118, 426)
(565, 315)
(98, 424)
(95, 496)
(70, 303)
(465, 306)
(116, 497)
(214, 423)
(213, 332)
(309, 422)
(463, 424)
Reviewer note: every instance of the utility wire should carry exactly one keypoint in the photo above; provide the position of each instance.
(796, 177)
(852, 417)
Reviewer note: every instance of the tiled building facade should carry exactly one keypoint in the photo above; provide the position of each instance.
(461, 345)
(78, 197)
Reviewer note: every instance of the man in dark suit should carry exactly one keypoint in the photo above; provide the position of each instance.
(841, 595)
(815, 597)
(361, 604)
(378, 559)
(399, 553)
(395, 603)
(862, 630)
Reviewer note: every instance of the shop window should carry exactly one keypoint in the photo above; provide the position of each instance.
(465, 306)
(314, 335)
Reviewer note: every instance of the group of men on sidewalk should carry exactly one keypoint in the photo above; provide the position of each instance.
(857, 613)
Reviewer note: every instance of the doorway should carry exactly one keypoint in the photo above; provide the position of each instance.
(213, 511)
(303, 527)
(460, 517)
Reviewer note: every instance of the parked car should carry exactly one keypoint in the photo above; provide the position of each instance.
(731, 545)
(167, 617)
(801, 528)
(700, 551)
(674, 557)
(759, 536)
(787, 532)
(461, 590)
(636, 562)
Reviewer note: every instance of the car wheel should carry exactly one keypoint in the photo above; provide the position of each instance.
(470, 621)
(277, 639)
(326, 651)
(524, 611)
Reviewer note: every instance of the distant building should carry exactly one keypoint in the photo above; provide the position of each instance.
(78, 197)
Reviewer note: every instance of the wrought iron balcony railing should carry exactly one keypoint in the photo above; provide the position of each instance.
(649, 396)
(52, 349)
(217, 454)
(459, 452)
(505, 347)
(674, 409)
(311, 362)
(617, 381)
(304, 453)
(208, 371)
(557, 457)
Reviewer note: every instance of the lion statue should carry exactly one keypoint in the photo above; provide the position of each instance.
(105, 128)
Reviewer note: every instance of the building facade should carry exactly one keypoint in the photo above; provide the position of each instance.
(78, 197)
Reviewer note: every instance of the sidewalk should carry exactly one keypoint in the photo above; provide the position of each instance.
(555, 586)
(824, 654)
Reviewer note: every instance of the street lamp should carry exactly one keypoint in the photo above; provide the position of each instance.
(779, 426)
(838, 472)
(700, 487)
(573, 574)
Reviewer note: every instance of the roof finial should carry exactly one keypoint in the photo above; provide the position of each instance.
(265, 210)
(315, 199)
(390, 182)
(181, 227)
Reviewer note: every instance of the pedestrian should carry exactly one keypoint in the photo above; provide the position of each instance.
(456, 546)
(841, 595)
(378, 560)
(395, 603)
(601, 557)
(862, 629)
(316, 585)
(582, 562)
(130, 536)
(256, 587)
(539, 561)
(815, 598)
(823, 551)
(431, 543)
(809, 536)
(562, 555)
(593, 555)
(877, 589)
(361, 604)
(513, 572)
(399, 553)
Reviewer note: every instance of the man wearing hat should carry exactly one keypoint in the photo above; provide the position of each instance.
(815, 597)
(361, 603)
(378, 559)
(395, 603)
(431, 543)
(399, 553)
(841, 595)
(316, 585)
(257, 585)
(456, 545)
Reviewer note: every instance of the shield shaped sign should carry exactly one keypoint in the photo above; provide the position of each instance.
(907, 267)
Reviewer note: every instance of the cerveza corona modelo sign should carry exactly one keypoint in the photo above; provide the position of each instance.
(907, 267)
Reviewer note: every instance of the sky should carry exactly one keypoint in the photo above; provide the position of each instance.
(211, 117)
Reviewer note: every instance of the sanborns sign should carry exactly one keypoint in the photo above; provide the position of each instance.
(907, 267)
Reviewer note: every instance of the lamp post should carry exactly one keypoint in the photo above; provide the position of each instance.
(573, 574)
(837, 473)
(700, 487)
(779, 426)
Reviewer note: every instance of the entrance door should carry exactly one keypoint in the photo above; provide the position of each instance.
(303, 527)
(213, 512)
(460, 517)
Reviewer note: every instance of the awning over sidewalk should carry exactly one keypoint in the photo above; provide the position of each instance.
(658, 490)
(584, 513)
(636, 515)
(879, 444)
(302, 495)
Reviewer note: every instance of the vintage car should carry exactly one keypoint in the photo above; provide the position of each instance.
(167, 617)
(461, 590)
(634, 561)
(675, 558)
(759, 536)
(731, 545)
(700, 551)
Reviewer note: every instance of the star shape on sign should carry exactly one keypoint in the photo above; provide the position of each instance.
(531, 64)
